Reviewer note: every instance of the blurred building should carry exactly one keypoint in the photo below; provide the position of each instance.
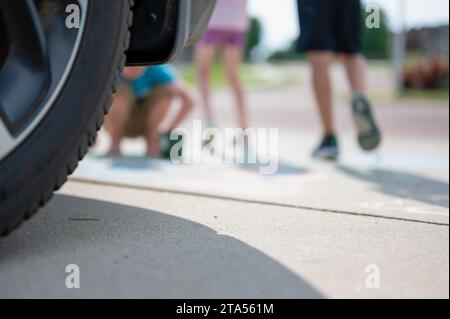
(432, 41)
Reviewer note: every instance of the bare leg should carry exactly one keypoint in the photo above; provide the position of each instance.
(369, 136)
(155, 117)
(117, 119)
(355, 66)
(232, 57)
(178, 91)
(205, 56)
(320, 62)
(159, 111)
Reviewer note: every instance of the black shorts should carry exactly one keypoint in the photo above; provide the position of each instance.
(330, 25)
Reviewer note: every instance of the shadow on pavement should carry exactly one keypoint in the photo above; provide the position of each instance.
(285, 168)
(282, 168)
(125, 251)
(133, 163)
(404, 185)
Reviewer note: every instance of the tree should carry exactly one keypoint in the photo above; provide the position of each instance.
(254, 37)
(376, 41)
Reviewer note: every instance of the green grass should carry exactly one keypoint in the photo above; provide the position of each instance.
(442, 94)
(390, 96)
(253, 76)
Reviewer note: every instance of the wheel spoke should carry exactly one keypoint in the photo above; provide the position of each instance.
(37, 53)
(26, 63)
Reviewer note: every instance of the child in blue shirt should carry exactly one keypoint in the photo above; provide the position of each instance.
(142, 104)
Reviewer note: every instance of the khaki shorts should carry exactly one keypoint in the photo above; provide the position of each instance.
(136, 124)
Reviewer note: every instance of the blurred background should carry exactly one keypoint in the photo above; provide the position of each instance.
(413, 42)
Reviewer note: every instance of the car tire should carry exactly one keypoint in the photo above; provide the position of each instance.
(37, 167)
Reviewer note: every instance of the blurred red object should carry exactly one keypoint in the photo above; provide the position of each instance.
(428, 75)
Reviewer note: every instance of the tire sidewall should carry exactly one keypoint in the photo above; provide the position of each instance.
(34, 166)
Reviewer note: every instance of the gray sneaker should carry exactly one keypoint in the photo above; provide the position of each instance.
(369, 136)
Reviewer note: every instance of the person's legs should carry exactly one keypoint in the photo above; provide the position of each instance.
(118, 117)
(348, 34)
(178, 91)
(369, 136)
(355, 66)
(317, 22)
(232, 57)
(205, 56)
(320, 63)
(156, 115)
(159, 110)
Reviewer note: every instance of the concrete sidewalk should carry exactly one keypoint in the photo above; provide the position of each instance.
(400, 181)
(137, 243)
(146, 228)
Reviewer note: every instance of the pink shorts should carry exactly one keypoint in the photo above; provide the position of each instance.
(224, 37)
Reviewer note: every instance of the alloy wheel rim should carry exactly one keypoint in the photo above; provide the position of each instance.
(37, 55)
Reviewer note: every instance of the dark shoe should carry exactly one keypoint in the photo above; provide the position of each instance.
(369, 136)
(328, 149)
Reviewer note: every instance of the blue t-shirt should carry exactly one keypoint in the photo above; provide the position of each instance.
(152, 77)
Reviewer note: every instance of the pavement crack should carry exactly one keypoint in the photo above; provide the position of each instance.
(251, 201)
(84, 220)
